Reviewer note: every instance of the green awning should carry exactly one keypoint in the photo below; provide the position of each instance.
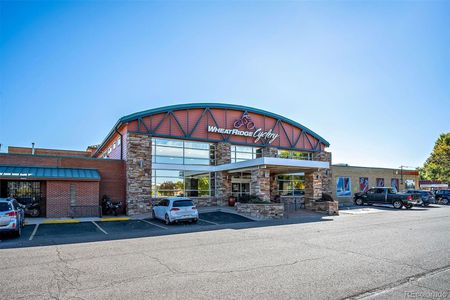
(49, 173)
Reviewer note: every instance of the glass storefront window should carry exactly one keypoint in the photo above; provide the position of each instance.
(24, 189)
(295, 155)
(242, 153)
(166, 151)
(291, 185)
(180, 183)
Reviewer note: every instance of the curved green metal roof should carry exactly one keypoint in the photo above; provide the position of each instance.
(163, 109)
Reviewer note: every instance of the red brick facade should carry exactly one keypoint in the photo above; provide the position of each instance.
(61, 195)
(112, 173)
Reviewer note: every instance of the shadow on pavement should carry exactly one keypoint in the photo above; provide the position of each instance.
(60, 234)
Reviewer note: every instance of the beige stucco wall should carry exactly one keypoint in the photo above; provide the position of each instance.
(372, 173)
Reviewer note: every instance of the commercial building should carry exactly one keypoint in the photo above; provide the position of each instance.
(349, 180)
(205, 151)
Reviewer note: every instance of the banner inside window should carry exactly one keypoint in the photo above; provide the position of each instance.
(343, 187)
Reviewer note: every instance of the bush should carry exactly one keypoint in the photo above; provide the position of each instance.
(250, 199)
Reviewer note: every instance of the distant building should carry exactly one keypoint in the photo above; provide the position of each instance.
(349, 180)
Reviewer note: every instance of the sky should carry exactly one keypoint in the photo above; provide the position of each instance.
(371, 77)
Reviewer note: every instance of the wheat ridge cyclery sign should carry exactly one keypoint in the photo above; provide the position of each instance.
(245, 120)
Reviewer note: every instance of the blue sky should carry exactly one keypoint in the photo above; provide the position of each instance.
(373, 78)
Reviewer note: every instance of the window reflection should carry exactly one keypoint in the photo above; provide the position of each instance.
(166, 151)
(291, 185)
(179, 183)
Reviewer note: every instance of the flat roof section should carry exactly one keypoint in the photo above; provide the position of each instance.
(48, 173)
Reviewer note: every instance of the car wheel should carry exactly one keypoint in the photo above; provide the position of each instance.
(34, 212)
(445, 201)
(397, 204)
(166, 219)
(359, 202)
(195, 221)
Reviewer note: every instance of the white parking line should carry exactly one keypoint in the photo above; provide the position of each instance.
(160, 226)
(214, 223)
(34, 232)
(99, 227)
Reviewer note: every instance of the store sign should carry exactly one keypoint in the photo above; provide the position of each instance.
(246, 122)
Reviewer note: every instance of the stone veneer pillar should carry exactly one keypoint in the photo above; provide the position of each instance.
(260, 184)
(223, 180)
(318, 182)
(223, 153)
(139, 173)
(273, 186)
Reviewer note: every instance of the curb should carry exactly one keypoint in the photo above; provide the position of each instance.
(61, 221)
(114, 219)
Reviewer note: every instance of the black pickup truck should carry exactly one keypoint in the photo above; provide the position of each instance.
(387, 195)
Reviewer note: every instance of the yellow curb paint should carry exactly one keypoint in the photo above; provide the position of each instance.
(60, 221)
(113, 219)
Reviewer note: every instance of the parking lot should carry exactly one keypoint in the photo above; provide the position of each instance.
(112, 228)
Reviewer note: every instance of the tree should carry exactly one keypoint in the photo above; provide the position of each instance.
(437, 166)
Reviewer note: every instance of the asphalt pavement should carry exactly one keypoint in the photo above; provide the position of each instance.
(385, 254)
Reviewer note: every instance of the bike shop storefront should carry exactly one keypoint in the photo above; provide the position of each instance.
(52, 192)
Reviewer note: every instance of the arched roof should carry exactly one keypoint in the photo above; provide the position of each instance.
(187, 106)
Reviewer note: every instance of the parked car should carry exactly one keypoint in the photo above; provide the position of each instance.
(12, 216)
(442, 196)
(175, 209)
(387, 195)
(426, 196)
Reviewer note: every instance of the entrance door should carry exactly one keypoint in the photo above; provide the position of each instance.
(240, 184)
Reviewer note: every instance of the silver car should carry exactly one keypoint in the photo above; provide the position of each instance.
(175, 209)
(12, 216)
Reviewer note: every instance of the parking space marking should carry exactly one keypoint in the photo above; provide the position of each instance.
(214, 223)
(160, 226)
(34, 232)
(99, 227)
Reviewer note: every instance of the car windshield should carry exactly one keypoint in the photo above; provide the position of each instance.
(183, 203)
(4, 206)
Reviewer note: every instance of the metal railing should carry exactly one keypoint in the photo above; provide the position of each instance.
(292, 204)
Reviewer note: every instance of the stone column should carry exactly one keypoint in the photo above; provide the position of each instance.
(273, 187)
(313, 185)
(223, 187)
(223, 153)
(325, 174)
(139, 172)
(318, 182)
(223, 180)
(260, 184)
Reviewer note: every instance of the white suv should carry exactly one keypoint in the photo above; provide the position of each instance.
(174, 209)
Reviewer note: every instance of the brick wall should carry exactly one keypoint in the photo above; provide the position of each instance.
(42, 151)
(112, 172)
(59, 196)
